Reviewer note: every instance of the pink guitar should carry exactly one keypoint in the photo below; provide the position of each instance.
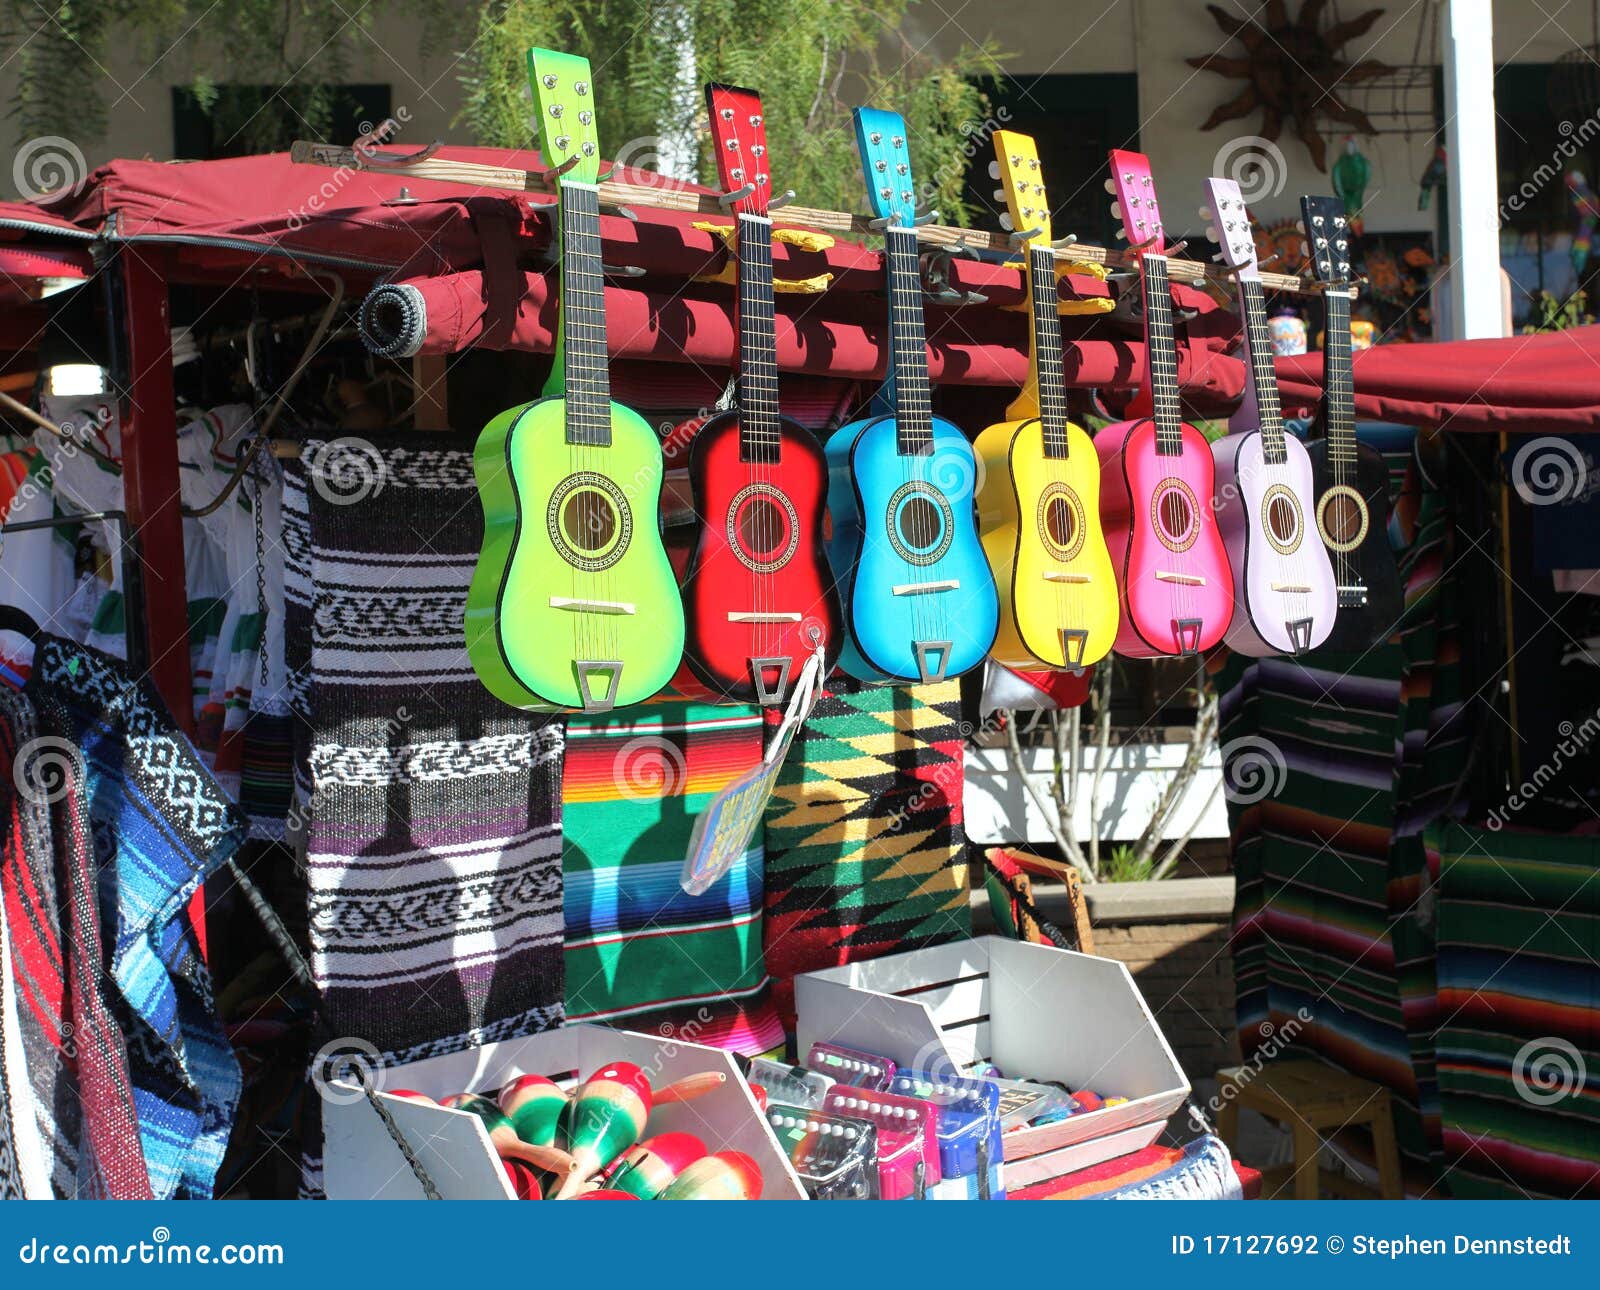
(1156, 471)
(1284, 593)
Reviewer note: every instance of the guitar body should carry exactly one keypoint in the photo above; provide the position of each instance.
(1353, 520)
(1040, 521)
(919, 601)
(758, 585)
(1284, 599)
(1173, 576)
(573, 603)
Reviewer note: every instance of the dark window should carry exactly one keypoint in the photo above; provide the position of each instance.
(1074, 118)
(235, 120)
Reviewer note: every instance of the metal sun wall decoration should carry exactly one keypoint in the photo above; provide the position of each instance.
(1294, 70)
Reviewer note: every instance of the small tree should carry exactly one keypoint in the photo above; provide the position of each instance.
(1057, 797)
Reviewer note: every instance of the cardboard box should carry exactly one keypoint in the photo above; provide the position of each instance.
(362, 1161)
(1036, 1012)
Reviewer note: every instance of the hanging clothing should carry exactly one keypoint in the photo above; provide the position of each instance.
(158, 827)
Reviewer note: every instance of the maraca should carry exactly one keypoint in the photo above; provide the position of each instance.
(690, 1087)
(724, 1175)
(505, 1138)
(525, 1180)
(534, 1105)
(605, 1117)
(647, 1167)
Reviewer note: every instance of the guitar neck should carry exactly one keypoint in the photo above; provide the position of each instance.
(758, 365)
(583, 318)
(1263, 375)
(1161, 356)
(1047, 370)
(1338, 387)
(908, 344)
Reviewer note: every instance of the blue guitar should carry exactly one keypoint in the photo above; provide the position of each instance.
(919, 599)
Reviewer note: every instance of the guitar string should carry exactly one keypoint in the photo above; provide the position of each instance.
(1161, 360)
(759, 401)
(1339, 428)
(913, 420)
(1274, 446)
(1049, 385)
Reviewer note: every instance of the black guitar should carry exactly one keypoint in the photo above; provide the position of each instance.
(1351, 478)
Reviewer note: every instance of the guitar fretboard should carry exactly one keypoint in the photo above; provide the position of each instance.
(1161, 356)
(758, 362)
(1263, 375)
(908, 344)
(583, 317)
(1047, 351)
(1338, 387)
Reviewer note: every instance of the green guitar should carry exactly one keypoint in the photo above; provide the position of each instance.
(573, 604)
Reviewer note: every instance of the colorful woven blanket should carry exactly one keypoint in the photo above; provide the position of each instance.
(159, 827)
(637, 943)
(866, 854)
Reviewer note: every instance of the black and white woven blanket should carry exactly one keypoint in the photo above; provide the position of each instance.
(433, 817)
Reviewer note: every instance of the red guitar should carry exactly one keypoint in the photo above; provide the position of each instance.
(758, 594)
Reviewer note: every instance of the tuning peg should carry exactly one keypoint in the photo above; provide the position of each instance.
(1062, 243)
(1204, 212)
(999, 194)
(1211, 232)
(1217, 258)
(1005, 223)
(1116, 210)
(1111, 187)
(994, 170)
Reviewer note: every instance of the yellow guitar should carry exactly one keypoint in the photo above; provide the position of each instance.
(1039, 501)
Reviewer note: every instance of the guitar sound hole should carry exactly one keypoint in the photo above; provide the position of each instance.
(919, 523)
(1281, 519)
(588, 521)
(1175, 515)
(1061, 521)
(1341, 518)
(763, 527)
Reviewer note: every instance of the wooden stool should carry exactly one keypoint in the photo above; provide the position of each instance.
(1310, 1099)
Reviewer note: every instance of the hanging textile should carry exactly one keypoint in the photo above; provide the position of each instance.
(640, 948)
(434, 814)
(1331, 939)
(866, 854)
(159, 827)
(1519, 993)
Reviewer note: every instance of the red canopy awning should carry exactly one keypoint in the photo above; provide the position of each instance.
(475, 258)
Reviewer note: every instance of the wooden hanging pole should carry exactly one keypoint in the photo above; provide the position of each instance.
(613, 193)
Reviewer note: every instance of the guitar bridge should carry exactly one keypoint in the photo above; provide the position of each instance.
(925, 650)
(1354, 597)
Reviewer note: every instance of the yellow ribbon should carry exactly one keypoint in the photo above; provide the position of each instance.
(803, 239)
(1087, 268)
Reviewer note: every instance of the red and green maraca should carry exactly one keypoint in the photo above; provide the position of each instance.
(534, 1105)
(505, 1139)
(645, 1169)
(605, 1117)
(723, 1175)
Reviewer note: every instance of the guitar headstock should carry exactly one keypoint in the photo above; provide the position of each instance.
(563, 97)
(1230, 226)
(739, 131)
(1327, 238)
(1017, 167)
(1135, 190)
(886, 163)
